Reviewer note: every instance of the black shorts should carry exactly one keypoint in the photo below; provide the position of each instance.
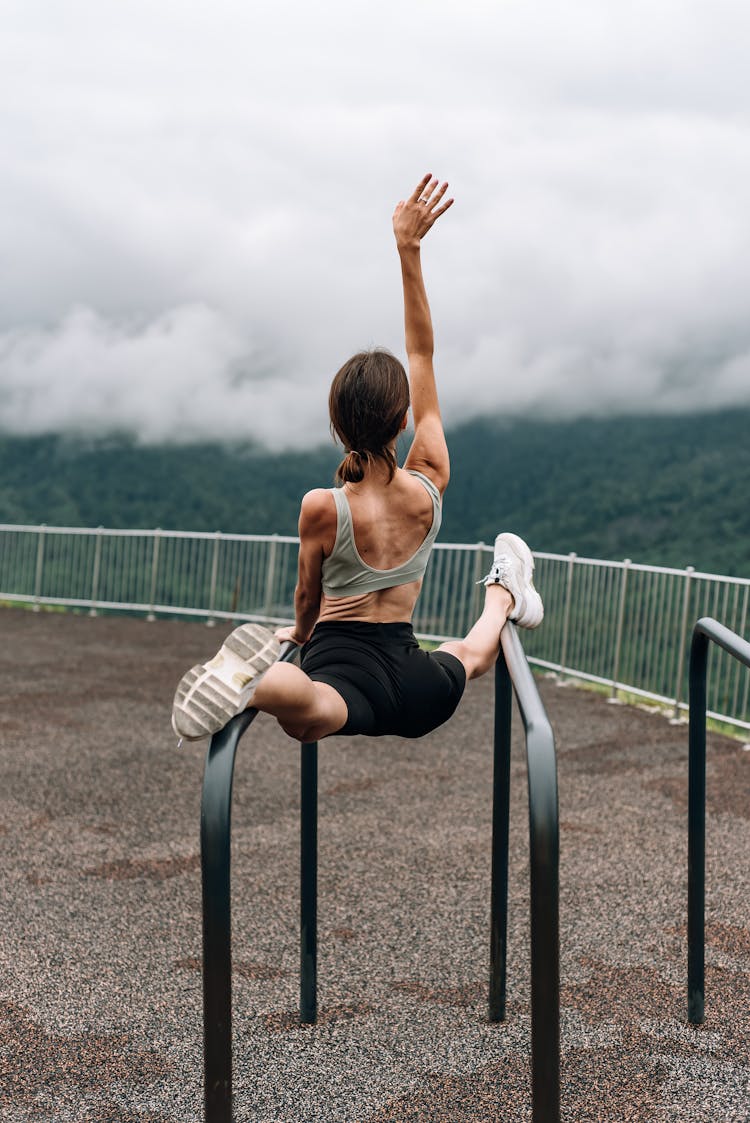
(390, 685)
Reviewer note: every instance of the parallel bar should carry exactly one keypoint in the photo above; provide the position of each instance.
(216, 806)
(705, 630)
(697, 826)
(544, 835)
(216, 810)
(500, 832)
(308, 1002)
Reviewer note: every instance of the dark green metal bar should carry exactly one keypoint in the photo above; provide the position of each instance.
(500, 829)
(308, 1003)
(216, 808)
(705, 630)
(544, 834)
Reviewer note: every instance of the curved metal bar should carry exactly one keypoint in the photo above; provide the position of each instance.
(544, 833)
(706, 630)
(216, 806)
(512, 667)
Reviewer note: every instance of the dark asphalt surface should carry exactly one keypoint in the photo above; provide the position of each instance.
(100, 936)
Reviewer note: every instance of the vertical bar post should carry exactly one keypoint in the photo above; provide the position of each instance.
(682, 642)
(620, 622)
(214, 575)
(39, 566)
(270, 576)
(697, 827)
(476, 605)
(545, 934)
(95, 574)
(500, 831)
(154, 571)
(566, 612)
(216, 807)
(308, 1005)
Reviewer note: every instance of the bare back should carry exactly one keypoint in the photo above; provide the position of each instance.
(390, 523)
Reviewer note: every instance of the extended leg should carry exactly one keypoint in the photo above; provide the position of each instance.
(478, 650)
(510, 596)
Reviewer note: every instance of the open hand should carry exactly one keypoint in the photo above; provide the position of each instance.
(414, 216)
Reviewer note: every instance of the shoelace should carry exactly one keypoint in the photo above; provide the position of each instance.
(498, 570)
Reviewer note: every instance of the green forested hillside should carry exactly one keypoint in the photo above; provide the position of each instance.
(668, 490)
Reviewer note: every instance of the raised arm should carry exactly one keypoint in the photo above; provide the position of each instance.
(412, 219)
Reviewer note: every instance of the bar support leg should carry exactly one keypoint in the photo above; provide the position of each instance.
(308, 1006)
(500, 827)
(216, 807)
(697, 828)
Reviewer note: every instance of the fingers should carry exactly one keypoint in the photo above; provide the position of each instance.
(428, 194)
(432, 200)
(443, 209)
(417, 192)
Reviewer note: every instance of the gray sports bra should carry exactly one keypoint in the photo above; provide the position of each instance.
(344, 573)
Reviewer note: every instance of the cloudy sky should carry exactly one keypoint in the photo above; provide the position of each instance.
(195, 204)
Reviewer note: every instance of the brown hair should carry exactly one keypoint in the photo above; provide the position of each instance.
(368, 399)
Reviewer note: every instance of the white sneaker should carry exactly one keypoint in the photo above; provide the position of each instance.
(211, 693)
(513, 568)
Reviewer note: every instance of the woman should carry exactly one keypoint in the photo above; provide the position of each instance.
(363, 552)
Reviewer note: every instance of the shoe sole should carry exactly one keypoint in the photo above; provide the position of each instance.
(531, 613)
(212, 693)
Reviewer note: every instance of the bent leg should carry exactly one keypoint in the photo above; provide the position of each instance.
(479, 650)
(305, 710)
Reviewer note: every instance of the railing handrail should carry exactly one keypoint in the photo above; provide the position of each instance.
(706, 630)
(622, 625)
(293, 539)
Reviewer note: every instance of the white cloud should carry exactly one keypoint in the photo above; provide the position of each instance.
(195, 207)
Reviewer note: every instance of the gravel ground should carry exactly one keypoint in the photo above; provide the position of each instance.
(100, 938)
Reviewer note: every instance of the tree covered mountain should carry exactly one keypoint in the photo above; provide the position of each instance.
(663, 490)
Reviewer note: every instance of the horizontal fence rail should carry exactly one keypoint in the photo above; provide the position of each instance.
(617, 624)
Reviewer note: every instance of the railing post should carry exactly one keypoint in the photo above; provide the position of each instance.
(566, 612)
(154, 569)
(620, 622)
(95, 575)
(500, 832)
(682, 642)
(210, 623)
(270, 576)
(308, 883)
(697, 826)
(39, 566)
(477, 599)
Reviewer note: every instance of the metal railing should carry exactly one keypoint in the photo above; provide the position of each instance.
(705, 631)
(512, 670)
(617, 624)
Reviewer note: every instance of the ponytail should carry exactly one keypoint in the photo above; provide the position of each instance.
(352, 468)
(354, 465)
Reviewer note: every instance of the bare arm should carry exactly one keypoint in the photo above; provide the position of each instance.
(411, 221)
(317, 532)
